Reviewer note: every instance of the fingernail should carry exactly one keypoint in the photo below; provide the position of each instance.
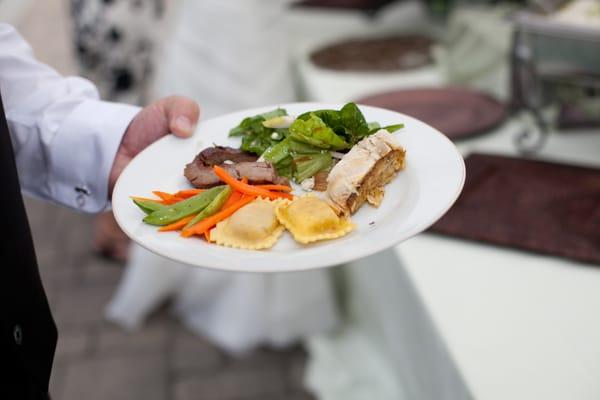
(183, 124)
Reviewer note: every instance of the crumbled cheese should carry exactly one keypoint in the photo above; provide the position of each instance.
(228, 162)
(308, 184)
(274, 135)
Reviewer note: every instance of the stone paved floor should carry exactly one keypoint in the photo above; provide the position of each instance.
(96, 360)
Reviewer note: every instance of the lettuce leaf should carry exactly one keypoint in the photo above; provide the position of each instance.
(306, 166)
(277, 152)
(315, 132)
(254, 124)
(256, 138)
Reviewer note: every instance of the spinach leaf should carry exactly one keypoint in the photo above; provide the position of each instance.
(254, 124)
(373, 126)
(315, 132)
(354, 122)
(393, 128)
(256, 138)
(389, 128)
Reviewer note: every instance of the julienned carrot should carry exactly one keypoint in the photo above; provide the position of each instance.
(211, 221)
(163, 195)
(207, 235)
(246, 188)
(281, 188)
(175, 226)
(235, 196)
(187, 193)
(167, 198)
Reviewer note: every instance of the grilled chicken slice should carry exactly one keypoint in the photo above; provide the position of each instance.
(363, 172)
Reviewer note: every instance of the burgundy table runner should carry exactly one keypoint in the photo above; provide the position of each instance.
(531, 205)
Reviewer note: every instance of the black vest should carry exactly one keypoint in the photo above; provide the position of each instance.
(28, 334)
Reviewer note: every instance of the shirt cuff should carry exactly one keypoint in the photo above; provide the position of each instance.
(83, 151)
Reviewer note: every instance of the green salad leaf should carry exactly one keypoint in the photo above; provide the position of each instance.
(254, 124)
(315, 132)
(303, 149)
(393, 128)
(354, 122)
(277, 152)
(256, 138)
(389, 128)
(308, 165)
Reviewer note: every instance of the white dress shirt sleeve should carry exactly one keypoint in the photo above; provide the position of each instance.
(65, 139)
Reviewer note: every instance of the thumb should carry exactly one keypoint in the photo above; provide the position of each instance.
(182, 114)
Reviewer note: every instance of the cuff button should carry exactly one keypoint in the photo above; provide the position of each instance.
(18, 335)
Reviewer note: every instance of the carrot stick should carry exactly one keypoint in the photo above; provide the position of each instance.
(207, 235)
(235, 196)
(281, 188)
(167, 198)
(163, 195)
(211, 221)
(175, 226)
(246, 188)
(187, 193)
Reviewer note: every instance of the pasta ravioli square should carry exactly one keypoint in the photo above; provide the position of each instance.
(252, 227)
(310, 219)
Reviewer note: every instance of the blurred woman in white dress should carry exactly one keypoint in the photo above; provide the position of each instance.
(227, 55)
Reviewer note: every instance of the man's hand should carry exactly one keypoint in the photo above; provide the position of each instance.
(175, 114)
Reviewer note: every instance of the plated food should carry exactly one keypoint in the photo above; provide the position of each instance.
(244, 197)
(414, 199)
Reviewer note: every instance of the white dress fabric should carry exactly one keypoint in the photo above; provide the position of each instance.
(227, 55)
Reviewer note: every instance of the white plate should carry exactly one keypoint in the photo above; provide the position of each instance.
(414, 200)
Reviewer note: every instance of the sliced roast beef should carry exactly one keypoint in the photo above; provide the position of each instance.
(219, 154)
(237, 163)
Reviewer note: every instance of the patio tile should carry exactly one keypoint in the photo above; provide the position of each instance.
(119, 377)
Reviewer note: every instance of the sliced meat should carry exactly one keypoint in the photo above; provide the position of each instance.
(219, 154)
(202, 176)
(257, 172)
(236, 162)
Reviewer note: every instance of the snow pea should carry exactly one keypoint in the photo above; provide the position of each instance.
(183, 208)
(212, 208)
(149, 206)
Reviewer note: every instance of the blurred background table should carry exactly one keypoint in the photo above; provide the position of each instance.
(452, 319)
(445, 318)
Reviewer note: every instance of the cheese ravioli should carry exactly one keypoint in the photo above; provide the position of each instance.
(311, 219)
(252, 227)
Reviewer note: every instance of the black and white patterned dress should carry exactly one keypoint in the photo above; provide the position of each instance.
(114, 44)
